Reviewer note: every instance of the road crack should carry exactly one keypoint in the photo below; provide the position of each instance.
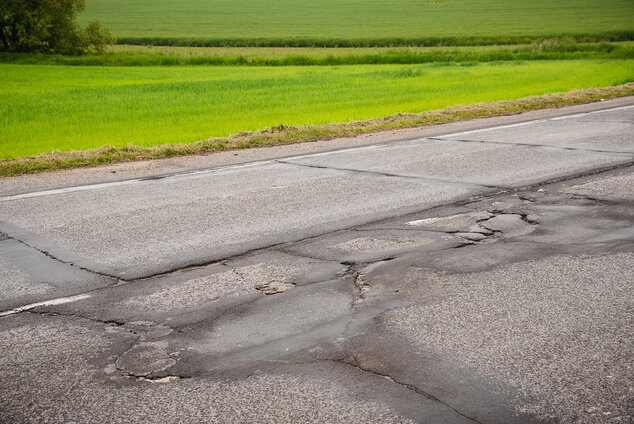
(112, 323)
(536, 146)
(354, 364)
(69, 263)
(391, 175)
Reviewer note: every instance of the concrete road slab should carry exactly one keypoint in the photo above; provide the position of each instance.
(618, 115)
(491, 164)
(29, 276)
(201, 293)
(609, 131)
(159, 225)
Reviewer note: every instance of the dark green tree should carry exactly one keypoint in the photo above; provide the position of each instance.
(48, 26)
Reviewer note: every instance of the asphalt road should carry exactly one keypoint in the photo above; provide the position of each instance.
(475, 272)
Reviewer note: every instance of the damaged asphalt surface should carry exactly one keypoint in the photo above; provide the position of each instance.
(478, 272)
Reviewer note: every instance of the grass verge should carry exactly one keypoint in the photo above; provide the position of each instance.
(378, 42)
(255, 56)
(296, 134)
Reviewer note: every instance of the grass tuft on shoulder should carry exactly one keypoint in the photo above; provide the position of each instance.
(282, 134)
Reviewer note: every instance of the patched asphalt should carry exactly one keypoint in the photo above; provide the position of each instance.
(476, 272)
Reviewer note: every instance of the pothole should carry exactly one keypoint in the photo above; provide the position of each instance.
(363, 287)
(509, 224)
(144, 359)
(462, 222)
(166, 379)
(530, 219)
(380, 243)
(274, 287)
(472, 236)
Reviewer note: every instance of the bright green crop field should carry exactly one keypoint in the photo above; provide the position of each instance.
(358, 19)
(46, 108)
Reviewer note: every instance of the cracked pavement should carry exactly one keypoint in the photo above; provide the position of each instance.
(480, 271)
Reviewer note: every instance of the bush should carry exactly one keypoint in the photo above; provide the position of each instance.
(97, 37)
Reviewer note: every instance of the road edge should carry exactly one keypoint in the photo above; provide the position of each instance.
(283, 135)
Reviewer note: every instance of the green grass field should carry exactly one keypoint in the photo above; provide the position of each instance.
(349, 20)
(46, 108)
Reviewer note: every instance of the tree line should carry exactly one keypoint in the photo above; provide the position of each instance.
(49, 26)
